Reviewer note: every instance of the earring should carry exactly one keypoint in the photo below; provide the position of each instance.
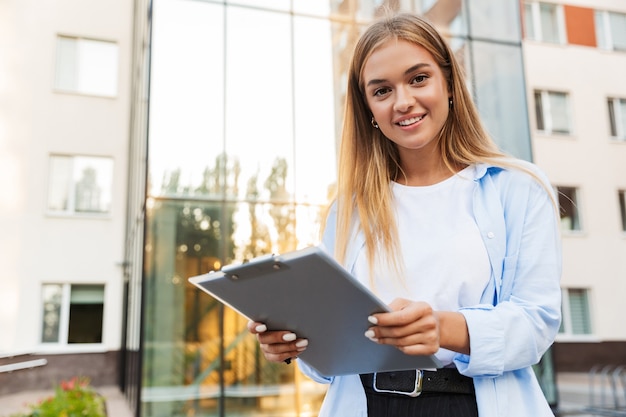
(374, 124)
(450, 103)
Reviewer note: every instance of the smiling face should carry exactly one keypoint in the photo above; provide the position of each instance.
(407, 94)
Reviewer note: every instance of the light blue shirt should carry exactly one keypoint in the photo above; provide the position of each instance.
(520, 310)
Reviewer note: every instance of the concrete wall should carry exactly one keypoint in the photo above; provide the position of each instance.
(35, 121)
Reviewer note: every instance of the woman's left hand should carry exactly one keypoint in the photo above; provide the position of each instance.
(411, 326)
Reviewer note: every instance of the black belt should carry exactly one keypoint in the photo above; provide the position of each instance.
(414, 382)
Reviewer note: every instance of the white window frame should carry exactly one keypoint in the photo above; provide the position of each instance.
(548, 124)
(607, 33)
(535, 16)
(81, 69)
(71, 184)
(567, 326)
(62, 345)
(620, 119)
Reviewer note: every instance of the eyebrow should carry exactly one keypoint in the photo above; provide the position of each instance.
(408, 71)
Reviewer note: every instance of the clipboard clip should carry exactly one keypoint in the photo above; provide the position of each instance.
(258, 266)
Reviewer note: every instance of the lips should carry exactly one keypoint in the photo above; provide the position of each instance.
(410, 121)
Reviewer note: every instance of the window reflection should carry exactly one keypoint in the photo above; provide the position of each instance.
(193, 343)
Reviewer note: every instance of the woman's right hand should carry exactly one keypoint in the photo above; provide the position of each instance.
(277, 345)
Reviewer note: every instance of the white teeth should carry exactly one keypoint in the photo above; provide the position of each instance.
(410, 121)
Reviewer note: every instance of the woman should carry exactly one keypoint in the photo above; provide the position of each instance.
(461, 240)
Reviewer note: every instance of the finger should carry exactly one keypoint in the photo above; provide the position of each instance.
(256, 327)
(279, 352)
(403, 313)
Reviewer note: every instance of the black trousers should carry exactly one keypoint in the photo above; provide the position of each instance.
(427, 404)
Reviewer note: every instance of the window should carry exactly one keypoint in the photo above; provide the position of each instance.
(568, 208)
(552, 112)
(72, 313)
(575, 309)
(86, 66)
(611, 30)
(621, 195)
(544, 22)
(80, 184)
(617, 117)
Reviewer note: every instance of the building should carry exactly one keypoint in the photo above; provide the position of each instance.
(65, 89)
(575, 61)
(145, 142)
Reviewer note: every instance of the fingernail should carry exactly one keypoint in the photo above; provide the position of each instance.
(372, 320)
(289, 337)
(370, 334)
(302, 343)
(261, 328)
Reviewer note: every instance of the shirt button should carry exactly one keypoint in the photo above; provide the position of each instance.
(491, 235)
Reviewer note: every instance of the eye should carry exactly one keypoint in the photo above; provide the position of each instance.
(379, 92)
(419, 79)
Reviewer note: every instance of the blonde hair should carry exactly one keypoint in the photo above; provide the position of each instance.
(368, 161)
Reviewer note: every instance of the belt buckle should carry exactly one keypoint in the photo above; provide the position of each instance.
(382, 386)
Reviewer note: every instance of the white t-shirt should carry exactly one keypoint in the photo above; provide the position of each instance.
(445, 261)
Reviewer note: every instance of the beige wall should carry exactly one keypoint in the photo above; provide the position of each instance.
(36, 121)
(595, 258)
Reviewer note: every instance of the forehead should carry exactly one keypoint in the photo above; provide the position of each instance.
(395, 56)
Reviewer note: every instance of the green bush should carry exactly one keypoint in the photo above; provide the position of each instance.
(73, 398)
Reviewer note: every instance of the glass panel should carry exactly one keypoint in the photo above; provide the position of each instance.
(59, 183)
(316, 8)
(66, 75)
(559, 112)
(93, 179)
(319, 69)
(599, 17)
(549, 23)
(98, 67)
(447, 15)
(259, 104)
(52, 295)
(80, 184)
(497, 20)
(309, 219)
(186, 364)
(579, 309)
(621, 195)
(187, 97)
(539, 110)
(618, 30)
(568, 208)
(87, 66)
(283, 5)
(621, 119)
(86, 314)
(501, 95)
(529, 22)
(612, 117)
(182, 326)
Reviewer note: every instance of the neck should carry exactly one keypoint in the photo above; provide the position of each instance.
(422, 170)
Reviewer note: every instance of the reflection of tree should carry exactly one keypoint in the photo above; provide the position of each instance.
(282, 211)
(88, 192)
(260, 242)
(221, 180)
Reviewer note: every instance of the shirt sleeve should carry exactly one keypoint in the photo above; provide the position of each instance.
(516, 331)
(313, 374)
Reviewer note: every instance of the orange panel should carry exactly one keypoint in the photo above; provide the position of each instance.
(580, 25)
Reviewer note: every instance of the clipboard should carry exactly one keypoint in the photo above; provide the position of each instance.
(309, 293)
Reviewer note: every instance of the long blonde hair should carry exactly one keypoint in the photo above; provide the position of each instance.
(368, 161)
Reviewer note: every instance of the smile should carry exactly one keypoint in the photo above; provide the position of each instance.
(410, 121)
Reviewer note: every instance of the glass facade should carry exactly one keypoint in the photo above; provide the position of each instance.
(245, 109)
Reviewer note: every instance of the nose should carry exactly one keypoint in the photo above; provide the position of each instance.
(404, 99)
